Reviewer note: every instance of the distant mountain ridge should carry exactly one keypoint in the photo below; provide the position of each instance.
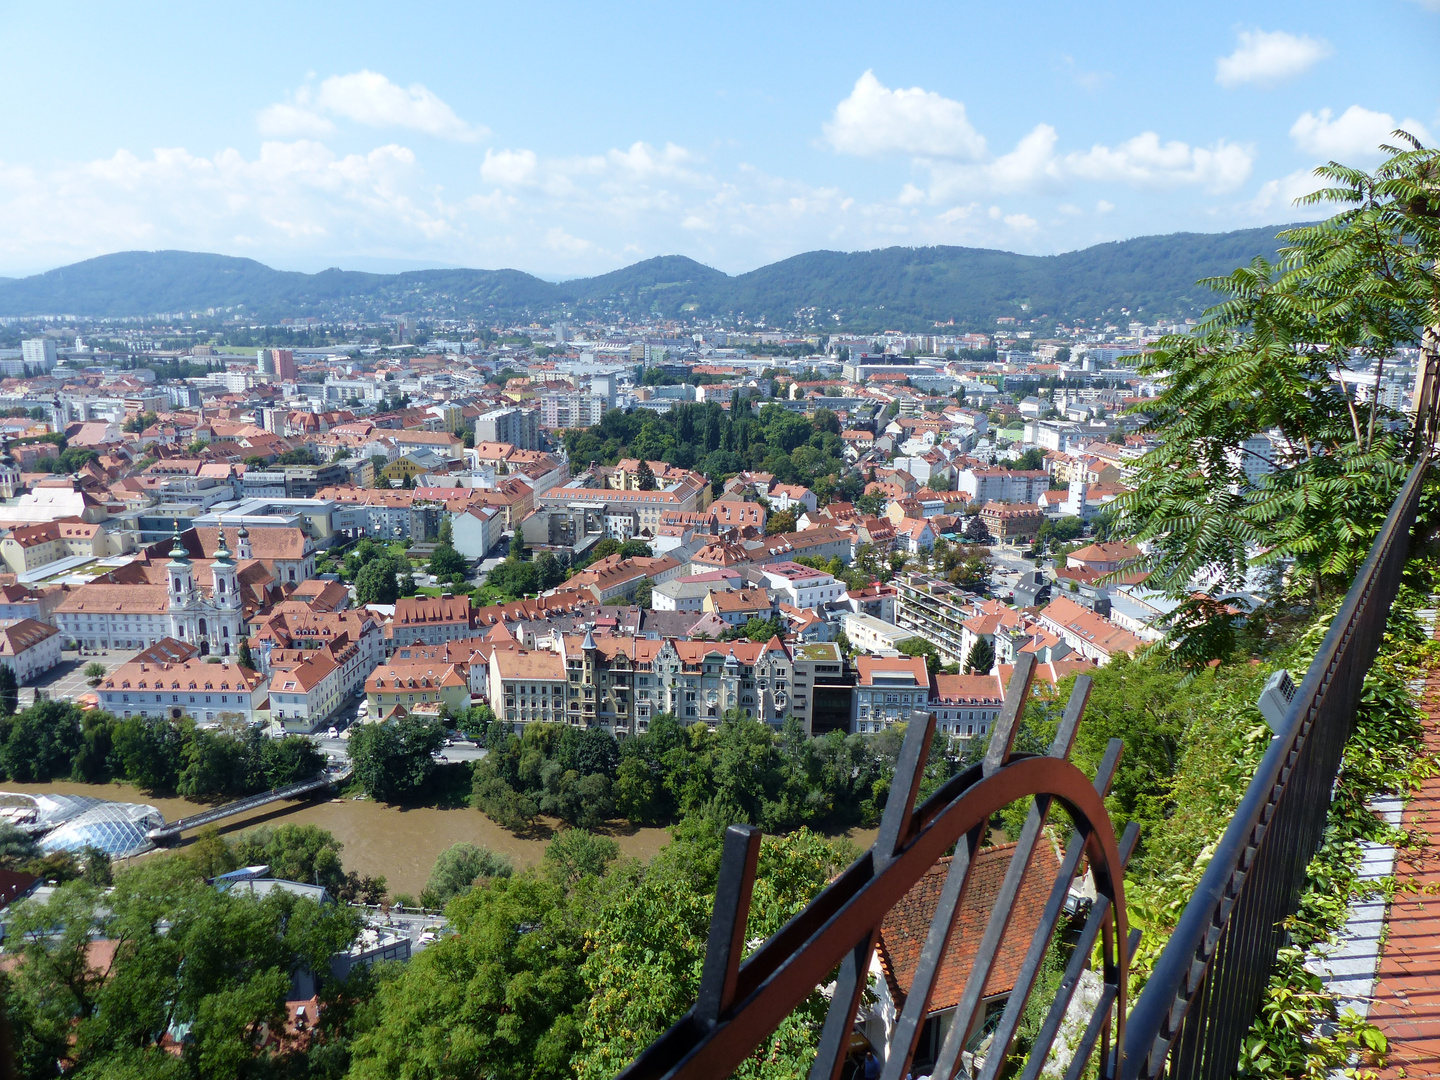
(904, 288)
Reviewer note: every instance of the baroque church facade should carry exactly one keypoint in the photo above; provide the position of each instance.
(209, 615)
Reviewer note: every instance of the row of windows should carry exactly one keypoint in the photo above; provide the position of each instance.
(175, 698)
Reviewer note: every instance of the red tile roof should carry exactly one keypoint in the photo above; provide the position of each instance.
(902, 935)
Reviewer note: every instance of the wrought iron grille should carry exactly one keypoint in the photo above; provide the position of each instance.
(1203, 994)
(832, 940)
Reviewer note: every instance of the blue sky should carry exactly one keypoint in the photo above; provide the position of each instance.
(572, 139)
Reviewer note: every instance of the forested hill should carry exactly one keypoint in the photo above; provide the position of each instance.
(900, 288)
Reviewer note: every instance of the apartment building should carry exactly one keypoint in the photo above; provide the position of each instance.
(868, 634)
(307, 686)
(1002, 485)
(965, 706)
(518, 427)
(29, 648)
(428, 620)
(418, 685)
(736, 607)
(1091, 636)
(887, 688)
(1011, 523)
(935, 610)
(613, 578)
(528, 686)
(802, 586)
(621, 683)
(700, 680)
(686, 495)
(29, 547)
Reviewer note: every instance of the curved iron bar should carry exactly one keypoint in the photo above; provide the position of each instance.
(739, 1006)
(1206, 988)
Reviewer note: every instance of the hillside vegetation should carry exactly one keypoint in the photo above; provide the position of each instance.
(900, 288)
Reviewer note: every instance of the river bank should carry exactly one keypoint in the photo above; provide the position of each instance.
(398, 843)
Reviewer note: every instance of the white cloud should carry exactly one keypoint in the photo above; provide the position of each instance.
(1091, 81)
(368, 97)
(1144, 161)
(1357, 132)
(291, 196)
(1021, 222)
(557, 239)
(875, 121)
(1280, 196)
(1269, 57)
(508, 167)
(1104, 206)
(283, 120)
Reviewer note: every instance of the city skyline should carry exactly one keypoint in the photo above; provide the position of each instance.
(571, 142)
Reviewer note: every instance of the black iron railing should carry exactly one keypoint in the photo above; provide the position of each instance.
(1203, 994)
(1202, 997)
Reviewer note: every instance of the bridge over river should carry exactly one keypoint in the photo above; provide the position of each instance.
(331, 775)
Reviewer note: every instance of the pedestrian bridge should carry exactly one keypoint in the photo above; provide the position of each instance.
(330, 775)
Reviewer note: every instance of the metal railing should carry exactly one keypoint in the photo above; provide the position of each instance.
(1206, 987)
(1203, 994)
(324, 778)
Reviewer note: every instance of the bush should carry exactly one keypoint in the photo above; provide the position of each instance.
(458, 868)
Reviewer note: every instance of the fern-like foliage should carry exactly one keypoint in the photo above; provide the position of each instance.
(1273, 359)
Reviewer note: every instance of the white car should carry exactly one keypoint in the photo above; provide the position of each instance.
(332, 733)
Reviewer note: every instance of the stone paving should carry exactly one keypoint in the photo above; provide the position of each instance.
(1406, 997)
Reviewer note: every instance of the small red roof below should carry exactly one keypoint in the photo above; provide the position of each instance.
(902, 935)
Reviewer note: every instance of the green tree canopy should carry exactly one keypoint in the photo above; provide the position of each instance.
(1264, 454)
(446, 562)
(376, 583)
(492, 999)
(394, 759)
(458, 867)
(920, 647)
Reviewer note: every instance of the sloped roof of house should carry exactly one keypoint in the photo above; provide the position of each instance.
(1066, 615)
(871, 667)
(22, 635)
(902, 934)
(1105, 553)
(192, 674)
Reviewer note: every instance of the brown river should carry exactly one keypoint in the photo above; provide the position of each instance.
(380, 840)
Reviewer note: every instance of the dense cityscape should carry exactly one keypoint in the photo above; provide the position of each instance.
(841, 543)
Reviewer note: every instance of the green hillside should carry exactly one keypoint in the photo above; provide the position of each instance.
(892, 287)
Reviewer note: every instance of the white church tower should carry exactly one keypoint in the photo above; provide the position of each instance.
(183, 597)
